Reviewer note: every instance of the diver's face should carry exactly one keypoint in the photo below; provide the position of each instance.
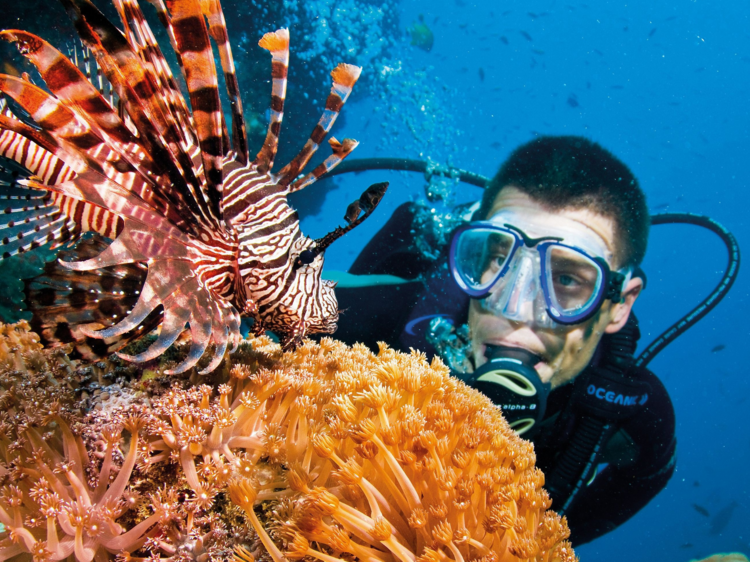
(565, 351)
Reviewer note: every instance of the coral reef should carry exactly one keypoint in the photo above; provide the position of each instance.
(730, 557)
(329, 452)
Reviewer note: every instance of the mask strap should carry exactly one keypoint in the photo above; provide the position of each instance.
(617, 280)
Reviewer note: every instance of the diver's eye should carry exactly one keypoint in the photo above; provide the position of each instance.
(566, 280)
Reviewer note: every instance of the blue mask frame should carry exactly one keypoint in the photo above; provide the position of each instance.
(610, 287)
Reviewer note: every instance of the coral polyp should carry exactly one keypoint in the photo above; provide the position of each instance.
(328, 452)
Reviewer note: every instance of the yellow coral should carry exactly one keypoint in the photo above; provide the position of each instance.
(327, 452)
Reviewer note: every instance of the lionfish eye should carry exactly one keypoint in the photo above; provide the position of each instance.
(306, 257)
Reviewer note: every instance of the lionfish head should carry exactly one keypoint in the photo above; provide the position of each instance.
(308, 303)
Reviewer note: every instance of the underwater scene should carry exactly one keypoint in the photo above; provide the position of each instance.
(374, 280)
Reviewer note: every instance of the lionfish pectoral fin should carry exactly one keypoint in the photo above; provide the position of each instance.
(340, 151)
(367, 202)
(117, 253)
(220, 337)
(344, 77)
(147, 302)
(175, 318)
(134, 244)
(200, 332)
(164, 280)
(234, 323)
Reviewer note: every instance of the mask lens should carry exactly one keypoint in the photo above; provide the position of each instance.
(481, 256)
(574, 280)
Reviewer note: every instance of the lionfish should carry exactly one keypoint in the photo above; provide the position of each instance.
(201, 234)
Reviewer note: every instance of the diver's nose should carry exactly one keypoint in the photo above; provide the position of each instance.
(521, 293)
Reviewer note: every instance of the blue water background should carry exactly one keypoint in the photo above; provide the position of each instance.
(663, 85)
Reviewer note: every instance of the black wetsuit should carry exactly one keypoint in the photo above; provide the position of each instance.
(637, 461)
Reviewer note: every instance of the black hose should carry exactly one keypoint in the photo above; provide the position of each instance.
(713, 298)
(671, 333)
(407, 165)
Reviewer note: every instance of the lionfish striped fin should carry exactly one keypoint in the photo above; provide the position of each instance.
(277, 43)
(24, 227)
(218, 31)
(340, 151)
(93, 183)
(69, 84)
(344, 77)
(191, 36)
(178, 300)
(62, 301)
(72, 87)
(141, 36)
(138, 90)
(41, 163)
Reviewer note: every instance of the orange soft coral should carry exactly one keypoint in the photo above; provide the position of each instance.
(378, 456)
(328, 452)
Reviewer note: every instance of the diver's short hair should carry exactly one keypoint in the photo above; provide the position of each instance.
(573, 172)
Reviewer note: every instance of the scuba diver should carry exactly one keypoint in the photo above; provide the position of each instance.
(530, 301)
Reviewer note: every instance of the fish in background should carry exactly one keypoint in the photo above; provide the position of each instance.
(720, 521)
(700, 509)
(421, 35)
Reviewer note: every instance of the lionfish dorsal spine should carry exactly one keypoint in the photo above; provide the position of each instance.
(277, 43)
(218, 31)
(344, 77)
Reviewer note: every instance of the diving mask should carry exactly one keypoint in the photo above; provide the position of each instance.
(548, 281)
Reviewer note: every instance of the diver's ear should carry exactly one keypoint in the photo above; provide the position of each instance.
(621, 311)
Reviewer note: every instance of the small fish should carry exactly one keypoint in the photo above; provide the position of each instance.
(421, 35)
(481, 74)
(670, 18)
(651, 33)
(526, 35)
(702, 510)
(686, 545)
(721, 519)
(504, 39)
(617, 87)
(495, 145)
(537, 51)
(588, 85)
(572, 101)
(696, 484)
(718, 348)
(532, 15)
(598, 52)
